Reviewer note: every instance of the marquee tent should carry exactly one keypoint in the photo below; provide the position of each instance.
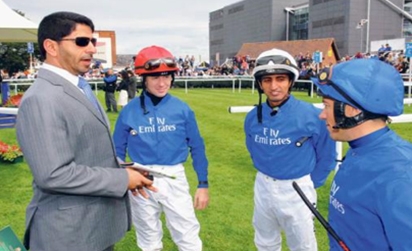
(14, 27)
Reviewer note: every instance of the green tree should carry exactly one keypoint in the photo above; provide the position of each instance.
(14, 57)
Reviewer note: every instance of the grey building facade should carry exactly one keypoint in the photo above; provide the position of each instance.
(347, 21)
(352, 23)
(246, 21)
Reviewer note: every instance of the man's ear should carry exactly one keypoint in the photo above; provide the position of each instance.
(51, 47)
(351, 111)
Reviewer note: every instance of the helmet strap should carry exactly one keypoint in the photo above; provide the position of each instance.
(259, 109)
(144, 82)
(154, 99)
(173, 79)
(344, 122)
(259, 106)
(142, 103)
(292, 82)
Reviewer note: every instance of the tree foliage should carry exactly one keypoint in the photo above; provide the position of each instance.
(14, 57)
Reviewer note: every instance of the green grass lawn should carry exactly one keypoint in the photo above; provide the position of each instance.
(226, 223)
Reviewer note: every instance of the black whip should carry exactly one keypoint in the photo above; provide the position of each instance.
(318, 216)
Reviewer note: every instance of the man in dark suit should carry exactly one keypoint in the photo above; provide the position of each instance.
(110, 81)
(132, 85)
(79, 190)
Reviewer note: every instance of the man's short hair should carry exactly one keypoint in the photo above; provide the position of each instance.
(58, 25)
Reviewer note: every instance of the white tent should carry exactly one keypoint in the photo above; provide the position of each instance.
(14, 27)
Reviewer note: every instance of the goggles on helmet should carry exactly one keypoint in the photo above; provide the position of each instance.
(275, 59)
(155, 63)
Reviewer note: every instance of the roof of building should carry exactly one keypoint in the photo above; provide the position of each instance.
(294, 47)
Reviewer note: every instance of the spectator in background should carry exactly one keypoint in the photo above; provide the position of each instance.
(308, 58)
(402, 64)
(306, 72)
(1, 79)
(236, 71)
(110, 80)
(192, 62)
(123, 89)
(98, 65)
(244, 67)
(300, 59)
(381, 51)
(390, 58)
(132, 90)
(358, 55)
(388, 47)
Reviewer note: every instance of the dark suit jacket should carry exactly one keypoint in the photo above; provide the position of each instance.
(79, 191)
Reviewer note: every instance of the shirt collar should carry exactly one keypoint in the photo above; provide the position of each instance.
(62, 72)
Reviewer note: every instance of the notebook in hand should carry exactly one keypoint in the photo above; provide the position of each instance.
(9, 241)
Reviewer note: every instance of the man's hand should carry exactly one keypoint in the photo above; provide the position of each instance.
(137, 181)
(201, 198)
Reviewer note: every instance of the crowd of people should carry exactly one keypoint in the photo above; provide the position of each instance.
(243, 65)
(397, 59)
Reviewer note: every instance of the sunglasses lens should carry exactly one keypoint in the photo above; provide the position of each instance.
(84, 41)
(94, 41)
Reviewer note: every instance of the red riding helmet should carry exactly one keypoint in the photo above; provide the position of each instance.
(154, 59)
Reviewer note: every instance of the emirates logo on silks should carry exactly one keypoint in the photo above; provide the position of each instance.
(325, 75)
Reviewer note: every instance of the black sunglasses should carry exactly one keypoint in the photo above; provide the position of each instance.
(81, 41)
(155, 63)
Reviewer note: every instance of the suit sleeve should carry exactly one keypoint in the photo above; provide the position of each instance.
(120, 134)
(66, 153)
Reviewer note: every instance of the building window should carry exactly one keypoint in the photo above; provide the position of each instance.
(216, 27)
(328, 22)
(216, 15)
(216, 42)
(236, 9)
(321, 1)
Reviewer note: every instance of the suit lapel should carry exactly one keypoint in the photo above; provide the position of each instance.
(75, 93)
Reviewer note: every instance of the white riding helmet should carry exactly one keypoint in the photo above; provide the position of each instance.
(270, 62)
(275, 61)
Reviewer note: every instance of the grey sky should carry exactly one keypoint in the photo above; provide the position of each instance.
(179, 25)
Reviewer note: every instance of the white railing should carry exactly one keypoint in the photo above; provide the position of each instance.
(207, 78)
(8, 110)
(23, 82)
